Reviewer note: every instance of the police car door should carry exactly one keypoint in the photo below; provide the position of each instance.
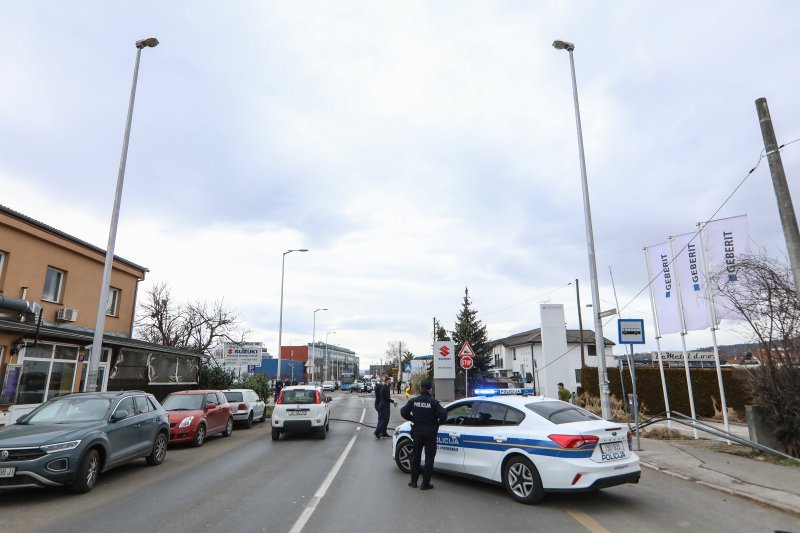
(486, 442)
(449, 447)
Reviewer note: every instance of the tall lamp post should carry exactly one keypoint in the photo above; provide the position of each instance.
(314, 344)
(325, 377)
(280, 321)
(97, 341)
(599, 339)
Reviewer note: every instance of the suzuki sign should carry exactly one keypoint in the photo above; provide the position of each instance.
(444, 360)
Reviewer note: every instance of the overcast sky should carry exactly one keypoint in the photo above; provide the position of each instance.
(416, 148)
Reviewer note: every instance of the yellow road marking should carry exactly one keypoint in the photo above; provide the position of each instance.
(587, 521)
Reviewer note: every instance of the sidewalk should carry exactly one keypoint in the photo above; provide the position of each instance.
(703, 462)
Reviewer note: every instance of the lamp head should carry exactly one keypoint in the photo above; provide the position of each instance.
(563, 45)
(150, 42)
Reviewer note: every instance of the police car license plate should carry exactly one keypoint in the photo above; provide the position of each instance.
(296, 412)
(7, 471)
(613, 449)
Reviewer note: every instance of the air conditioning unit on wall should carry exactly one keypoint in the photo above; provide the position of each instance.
(66, 314)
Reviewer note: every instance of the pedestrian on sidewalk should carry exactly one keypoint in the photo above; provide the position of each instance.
(563, 393)
(427, 414)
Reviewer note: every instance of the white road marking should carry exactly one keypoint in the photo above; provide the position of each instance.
(363, 413)
(312, 505)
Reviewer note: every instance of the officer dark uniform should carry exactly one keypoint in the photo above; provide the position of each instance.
(427, 414)
(383, 399)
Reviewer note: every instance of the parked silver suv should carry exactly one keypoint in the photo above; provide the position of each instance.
(246, 406)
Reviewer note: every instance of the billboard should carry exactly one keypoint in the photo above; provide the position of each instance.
(235, 354)
(444, 360)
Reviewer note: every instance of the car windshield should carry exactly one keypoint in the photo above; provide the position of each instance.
(68, 411)
(234, 397)
(184, 402)
(561, 412)
(299, 396)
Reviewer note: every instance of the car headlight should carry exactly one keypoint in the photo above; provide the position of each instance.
(185, 422)
(60, 447)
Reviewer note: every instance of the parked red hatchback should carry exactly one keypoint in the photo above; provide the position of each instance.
(196, 414)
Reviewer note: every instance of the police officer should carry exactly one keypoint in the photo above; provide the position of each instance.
(385, 398)
(427, 414)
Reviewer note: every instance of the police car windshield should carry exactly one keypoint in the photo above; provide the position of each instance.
(561, 412)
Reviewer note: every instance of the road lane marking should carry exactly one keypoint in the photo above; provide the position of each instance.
(363, 413)
(312, 505)
(587, 521)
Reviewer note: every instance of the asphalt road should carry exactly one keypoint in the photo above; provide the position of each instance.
(249, 483)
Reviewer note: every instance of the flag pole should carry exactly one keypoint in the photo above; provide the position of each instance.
(658, 339)
(683, 340)
(713, 317)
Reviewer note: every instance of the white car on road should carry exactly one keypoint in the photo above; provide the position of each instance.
(301, 409)
(529, 444)
(329, 386)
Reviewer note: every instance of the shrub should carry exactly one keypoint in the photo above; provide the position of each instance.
(259, 383)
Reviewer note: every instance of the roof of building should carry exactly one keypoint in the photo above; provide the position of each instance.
(50, 229)
(534, 336)
(80, 335)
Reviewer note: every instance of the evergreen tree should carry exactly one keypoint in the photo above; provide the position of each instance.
(469, 328)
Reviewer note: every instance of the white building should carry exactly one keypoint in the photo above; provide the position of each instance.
(558, 359)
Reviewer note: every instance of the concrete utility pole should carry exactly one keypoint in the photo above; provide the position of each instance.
(782, 195)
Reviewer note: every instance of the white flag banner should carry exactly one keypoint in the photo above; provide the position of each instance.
(725, 241)
(688, 270)
(665, 296)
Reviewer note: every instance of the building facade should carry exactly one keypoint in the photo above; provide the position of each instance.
(49, 293)
(522, 356)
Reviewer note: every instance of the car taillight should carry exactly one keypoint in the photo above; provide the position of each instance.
(574, 441)
(318, 398)
(242, 407)
(630, 440)
(280, 398)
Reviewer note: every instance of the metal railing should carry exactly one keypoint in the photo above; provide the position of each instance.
(688, 421)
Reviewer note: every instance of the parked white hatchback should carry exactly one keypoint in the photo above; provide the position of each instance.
(246, 406)
(301, 409)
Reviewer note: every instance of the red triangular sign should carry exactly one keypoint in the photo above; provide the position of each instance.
(466, 351)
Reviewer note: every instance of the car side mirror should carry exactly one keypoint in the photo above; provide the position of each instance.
(119, 415)
(210, 405)
(328, 399)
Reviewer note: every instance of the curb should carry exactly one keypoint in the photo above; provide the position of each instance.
(726, 490)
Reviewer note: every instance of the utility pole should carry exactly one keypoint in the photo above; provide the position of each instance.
(580, 320)
(782, 195)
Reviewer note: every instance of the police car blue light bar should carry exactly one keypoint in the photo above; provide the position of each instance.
(496, 392)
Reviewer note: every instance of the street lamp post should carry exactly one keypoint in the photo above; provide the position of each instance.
(325, 378)
(280, 321)
(97, 341)
(599, 340)
(314, 344)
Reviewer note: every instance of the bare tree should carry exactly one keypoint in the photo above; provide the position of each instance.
(763, 292)
(196, 326)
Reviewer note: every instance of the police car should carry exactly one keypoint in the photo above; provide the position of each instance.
(531, 445)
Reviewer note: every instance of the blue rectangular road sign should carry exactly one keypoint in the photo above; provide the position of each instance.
(630, 330)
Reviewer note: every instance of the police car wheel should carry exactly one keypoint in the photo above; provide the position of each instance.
(522, 481)
(405, 449)
(276, 433)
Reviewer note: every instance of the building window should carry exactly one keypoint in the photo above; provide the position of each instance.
(2, 267)
(53, 281)
(591, 349)
(577, 375)
(102, 369)
(112, 307)
(47, 371)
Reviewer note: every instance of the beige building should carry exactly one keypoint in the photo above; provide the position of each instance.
(49, 292)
